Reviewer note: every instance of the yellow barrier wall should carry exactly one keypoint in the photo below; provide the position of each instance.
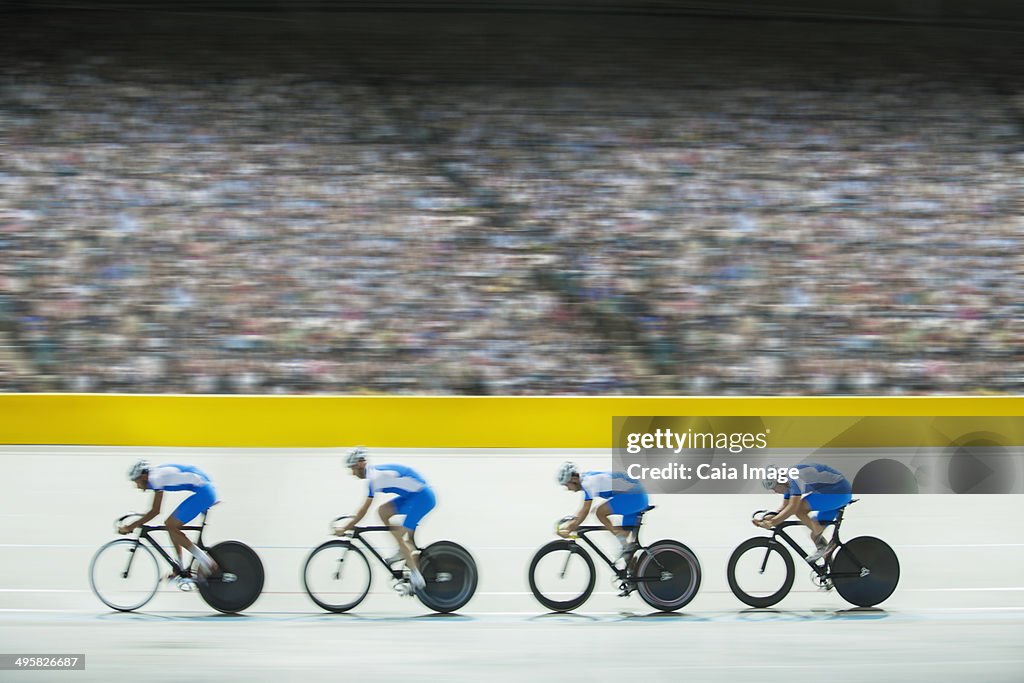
(434, 422)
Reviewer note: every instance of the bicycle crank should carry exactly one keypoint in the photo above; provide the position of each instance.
(225, 577)
(823, 583)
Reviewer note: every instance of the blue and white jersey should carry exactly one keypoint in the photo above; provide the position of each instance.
(817, 479)
(171, 477)
(393, 479)
(608, 484)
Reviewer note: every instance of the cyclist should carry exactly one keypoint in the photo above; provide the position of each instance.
(814, 496)
(172, 477)
(623, 496)
(414, 500)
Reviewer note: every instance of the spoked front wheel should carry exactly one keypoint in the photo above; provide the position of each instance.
(240, 580)
(451, 576)
(667, 575)
(562, 576)
(865, 571)
(124, 574)
(760, 572)
(336, 576)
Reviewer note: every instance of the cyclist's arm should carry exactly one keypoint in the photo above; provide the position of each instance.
(360, 513)
(580, 516)
(789, 507)
(154, 510)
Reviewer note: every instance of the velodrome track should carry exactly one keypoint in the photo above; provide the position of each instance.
(958, 612)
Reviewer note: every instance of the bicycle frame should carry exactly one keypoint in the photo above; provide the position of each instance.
(357, 535)
(622, 574)
(144, 535)
(823, 571)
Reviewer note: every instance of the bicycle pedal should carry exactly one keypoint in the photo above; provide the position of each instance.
(823, 584)
(186, 584)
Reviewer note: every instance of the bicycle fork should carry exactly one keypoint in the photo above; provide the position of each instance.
(565, 567)
(767, 553)
(131, 556)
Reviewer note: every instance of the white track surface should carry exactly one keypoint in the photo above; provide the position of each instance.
(957, 614)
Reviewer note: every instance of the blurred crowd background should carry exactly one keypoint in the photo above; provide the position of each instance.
(608, 206)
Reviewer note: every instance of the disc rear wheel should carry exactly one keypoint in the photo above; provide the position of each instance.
(450, 574)
(668, 575)
(239, 580)
(865, 571)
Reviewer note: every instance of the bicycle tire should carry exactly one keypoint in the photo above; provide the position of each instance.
(879, 558)
(545, 598)
(319, 563)
(233, 557)
(682, 583)
(773, 548)
(450, 574)
(139, 588)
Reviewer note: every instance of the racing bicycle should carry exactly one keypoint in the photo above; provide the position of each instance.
(562, 575)
(337, 574)
(864, 570)
(125, 573)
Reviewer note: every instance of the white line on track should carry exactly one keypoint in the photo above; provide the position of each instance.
(885, 664)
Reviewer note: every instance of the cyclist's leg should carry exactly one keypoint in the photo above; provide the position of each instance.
(177, 536)
(386, 512)
(403, 505)
(190, 508)
(629, 505)
(826, 505)
(604, 512)
(803, 513)
(415, 508)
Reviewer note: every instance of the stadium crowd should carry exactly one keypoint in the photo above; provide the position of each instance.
(294, 233)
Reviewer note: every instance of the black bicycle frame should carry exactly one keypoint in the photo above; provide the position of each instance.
(145, 535)
(357, 535)
(622, 574)
(824, 571)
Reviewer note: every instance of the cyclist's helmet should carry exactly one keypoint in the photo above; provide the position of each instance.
(770, 482)
(138, 469)
(566, 471)
(355, 455)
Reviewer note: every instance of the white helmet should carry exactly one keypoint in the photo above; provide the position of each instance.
(770, 482)
(355, 455)
(138, 469)
(566, 471)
